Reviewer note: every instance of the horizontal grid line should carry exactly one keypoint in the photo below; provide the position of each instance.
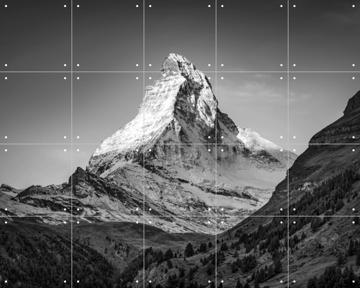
(159, 72)
(170, 145)
(164, 217)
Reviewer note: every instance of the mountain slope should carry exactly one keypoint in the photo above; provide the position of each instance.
(181, 159)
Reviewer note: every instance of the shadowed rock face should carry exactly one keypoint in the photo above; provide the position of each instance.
(344, 130)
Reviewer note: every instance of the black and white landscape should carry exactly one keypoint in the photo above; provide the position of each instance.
(238, 167)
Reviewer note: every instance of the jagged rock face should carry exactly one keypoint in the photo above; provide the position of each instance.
(344, 130)
(190, 155)
(180, 160)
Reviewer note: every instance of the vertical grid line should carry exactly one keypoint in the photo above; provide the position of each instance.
(142, 155)
(288, 135)
(216, 148)
(71, 137)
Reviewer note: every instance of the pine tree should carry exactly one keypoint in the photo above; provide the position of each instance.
(189, 250)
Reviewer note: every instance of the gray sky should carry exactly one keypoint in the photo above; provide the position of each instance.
(252, 36)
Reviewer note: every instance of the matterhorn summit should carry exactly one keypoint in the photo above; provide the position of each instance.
(191, 157)
(181, 163)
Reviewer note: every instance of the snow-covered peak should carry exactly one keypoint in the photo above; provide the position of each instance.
(176, 64)
(181, 97)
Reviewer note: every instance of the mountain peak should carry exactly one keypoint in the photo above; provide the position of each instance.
(353, 104)
(175, 64)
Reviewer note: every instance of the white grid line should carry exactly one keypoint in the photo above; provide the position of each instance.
(288, 137)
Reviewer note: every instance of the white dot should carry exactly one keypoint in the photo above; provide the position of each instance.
(78, 78)
(222, 150)
(281, 65)
(222, 281)
(65, 6)
(5, 222)
(209, 78)
(77, 137)
(222, 5)
(64, 209)
(281, 6)
(77, 222)
(294, 281)
(77, 150)
(137, 281)
(222, 65)
(78, 6)
(6, 209)
(150, 5)
(137, 78)
(137, 5)
(5, 6)
(5, 65)
(209, 150)
(294, 65)
(137, 222)
(294, 209)
(150, 65)
(353, 209)
(281, 149)
(64, 77)
(209, 6)
(294, 78)
(281, 222)
(77, 281)
(149, 281)
(209, 65)
(64, 281)
(209, 281)
(5, 78)
(5, 150)
(353, 222)
(294, 6)
(149, 209)
(65, 150)
(150, 78)
(281, 78)
(149, 150)
(281, 137)
(222, 78)
(294, 150)
(294, 137)
(65, 137)
(353, 281)
(222, 209)
(137, 65)
(353, 6)
(353, 65)
(294, 222)
(222, 137)
(5, 137)
(353, 137)
(281, 209)
(353, 78)
(78, 65)
(353, 150)
(65, 65)
(281, 281)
